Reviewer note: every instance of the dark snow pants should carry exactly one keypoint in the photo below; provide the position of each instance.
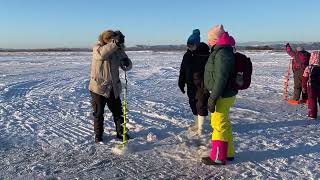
(114, 105)
(297, 76)
(313, 99)
(198, 100)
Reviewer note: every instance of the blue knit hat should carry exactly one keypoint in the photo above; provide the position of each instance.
(194, 38)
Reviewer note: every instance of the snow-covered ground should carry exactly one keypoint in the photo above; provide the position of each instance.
(46, 126)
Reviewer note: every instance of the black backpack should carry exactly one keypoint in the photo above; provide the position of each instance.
(315, 78)
(241, 76)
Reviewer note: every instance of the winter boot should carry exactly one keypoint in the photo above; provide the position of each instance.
(219, 152)
(201, 120)
(303, 101)
(119, 136)
(230, 158)
(293, 102)
(312, 118)
(194, 128)
(98, 129)
(119, 128)
(209, 161)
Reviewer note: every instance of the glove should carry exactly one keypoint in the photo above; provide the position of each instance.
(181, 86)
(116, 42)
(212, 105)
(119, 37)
(125, 62)
(287, 45)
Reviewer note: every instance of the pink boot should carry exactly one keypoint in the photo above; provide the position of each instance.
(219, 151)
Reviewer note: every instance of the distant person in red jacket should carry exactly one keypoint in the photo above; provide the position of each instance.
(311, 84)
(299, 62)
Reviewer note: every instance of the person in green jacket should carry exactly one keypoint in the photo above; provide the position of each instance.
(218, 69)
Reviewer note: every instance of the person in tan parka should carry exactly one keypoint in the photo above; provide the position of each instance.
(105, 85)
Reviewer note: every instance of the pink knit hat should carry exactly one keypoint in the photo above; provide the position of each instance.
(214, 34)
(315, 58)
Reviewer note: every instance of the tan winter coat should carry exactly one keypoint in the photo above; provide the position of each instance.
(105, 69)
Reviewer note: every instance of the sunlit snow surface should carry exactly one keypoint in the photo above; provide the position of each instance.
(46, 126)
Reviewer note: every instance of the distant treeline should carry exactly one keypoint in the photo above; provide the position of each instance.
(157, 48)
(307, 46)
(48, 50)
(254, 48)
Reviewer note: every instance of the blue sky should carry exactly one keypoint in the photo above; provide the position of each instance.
(77, 23)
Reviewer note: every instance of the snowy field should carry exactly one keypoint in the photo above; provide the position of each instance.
(46, 129)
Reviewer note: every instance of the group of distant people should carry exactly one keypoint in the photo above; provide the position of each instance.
(205, 71)
(306, 75)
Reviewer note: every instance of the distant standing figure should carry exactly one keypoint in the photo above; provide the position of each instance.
(311, 84)
(105, 85)
(191, 73)
(299, 63)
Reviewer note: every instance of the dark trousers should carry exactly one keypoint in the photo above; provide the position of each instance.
(114, 105)
(198, 100)
(313, 99)
(297, 77)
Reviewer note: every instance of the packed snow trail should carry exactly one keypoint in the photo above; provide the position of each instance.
(46, 126)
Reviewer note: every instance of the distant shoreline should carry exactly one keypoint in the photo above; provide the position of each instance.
(155, 48)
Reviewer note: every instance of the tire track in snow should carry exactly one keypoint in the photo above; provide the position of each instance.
(19, 90)
(29, 93)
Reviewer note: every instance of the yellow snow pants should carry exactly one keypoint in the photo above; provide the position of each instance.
(220, 122)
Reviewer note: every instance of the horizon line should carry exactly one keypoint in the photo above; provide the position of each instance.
(263, 43)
